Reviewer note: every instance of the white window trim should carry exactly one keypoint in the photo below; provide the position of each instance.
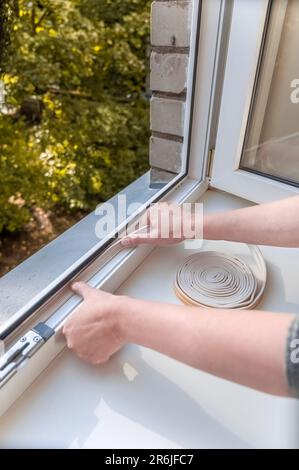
(189, 189)
(246, 37)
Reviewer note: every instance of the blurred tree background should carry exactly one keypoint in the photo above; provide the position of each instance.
(74, 112)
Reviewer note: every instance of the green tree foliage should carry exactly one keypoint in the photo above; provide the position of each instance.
(74, 129)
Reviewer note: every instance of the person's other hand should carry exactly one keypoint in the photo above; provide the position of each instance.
(165, 227)
(92, 330)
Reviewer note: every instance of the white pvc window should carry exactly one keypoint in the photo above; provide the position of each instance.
(257, 149)
(51, 302)
(51, 268)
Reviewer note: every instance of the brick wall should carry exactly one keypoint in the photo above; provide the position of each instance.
(170, 40)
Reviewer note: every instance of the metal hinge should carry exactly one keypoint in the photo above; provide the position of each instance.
(23, 349)
(210, 162)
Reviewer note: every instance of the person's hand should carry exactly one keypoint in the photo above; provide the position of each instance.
(165, 226)
(92, 330)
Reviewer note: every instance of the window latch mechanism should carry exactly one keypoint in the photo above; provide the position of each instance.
(22, 350)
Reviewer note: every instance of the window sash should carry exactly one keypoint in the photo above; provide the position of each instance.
(186, 187)
(34, 282)
(249, 26)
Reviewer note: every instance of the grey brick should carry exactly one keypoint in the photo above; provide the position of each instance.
(167, 116)
(165, 154)
(168, 72)
(171, 23)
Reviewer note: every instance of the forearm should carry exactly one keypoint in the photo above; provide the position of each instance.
(240, 346)
(275, 224)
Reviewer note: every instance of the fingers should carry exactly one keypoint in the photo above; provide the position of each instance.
(142, 239)
(82, 289)
(154, 218)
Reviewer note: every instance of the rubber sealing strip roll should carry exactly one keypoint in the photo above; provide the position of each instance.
(221, 280)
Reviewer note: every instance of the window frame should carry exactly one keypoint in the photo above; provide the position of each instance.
(140, 191)
(242, 69)
(189, 186)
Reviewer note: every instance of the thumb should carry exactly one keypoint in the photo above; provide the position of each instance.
(81, 288)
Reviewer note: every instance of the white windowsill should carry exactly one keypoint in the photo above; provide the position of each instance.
(143, 399)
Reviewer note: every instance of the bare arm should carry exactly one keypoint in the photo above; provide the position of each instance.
(274, 224)
(244, 347)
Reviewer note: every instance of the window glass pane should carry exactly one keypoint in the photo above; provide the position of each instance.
(272, 140)
(74, 113)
